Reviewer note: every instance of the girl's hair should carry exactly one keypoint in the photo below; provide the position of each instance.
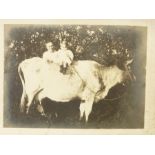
(49, 43)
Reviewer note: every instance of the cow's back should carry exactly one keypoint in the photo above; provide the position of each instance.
(36, 70)
(31, 69)
(89, 71)
(32, 64)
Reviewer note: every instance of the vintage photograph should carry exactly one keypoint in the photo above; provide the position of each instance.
(74, 76)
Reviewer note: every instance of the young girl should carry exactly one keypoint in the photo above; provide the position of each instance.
(50, 55)
(63, 57)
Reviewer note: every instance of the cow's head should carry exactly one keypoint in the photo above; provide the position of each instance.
(128, 74)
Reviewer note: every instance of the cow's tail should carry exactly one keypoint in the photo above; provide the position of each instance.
(24, 96)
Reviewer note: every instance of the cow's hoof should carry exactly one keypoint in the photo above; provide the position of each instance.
(27, 111)
(22, 109)
(49, 120)
(44, 115)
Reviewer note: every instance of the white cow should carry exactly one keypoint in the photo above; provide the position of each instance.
(87, 80)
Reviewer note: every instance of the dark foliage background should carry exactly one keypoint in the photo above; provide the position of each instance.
(107, 45)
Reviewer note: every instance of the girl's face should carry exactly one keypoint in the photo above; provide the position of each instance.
(49, 46)
(63, 45)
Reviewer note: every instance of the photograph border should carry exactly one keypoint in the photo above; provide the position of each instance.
(149, 126)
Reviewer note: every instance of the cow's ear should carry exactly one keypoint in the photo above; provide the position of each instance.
(128, 62)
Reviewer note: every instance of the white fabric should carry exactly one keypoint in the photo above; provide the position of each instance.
(61, 57)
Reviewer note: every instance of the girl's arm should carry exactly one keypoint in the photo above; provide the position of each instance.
(47, 57)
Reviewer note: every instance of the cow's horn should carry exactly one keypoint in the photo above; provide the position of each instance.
(129, 61)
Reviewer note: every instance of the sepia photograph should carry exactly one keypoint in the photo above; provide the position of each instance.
(74, 76)
(77, 77)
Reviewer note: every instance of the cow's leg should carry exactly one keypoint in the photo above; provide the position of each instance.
(88, 108)
(23, 102)
(105, 93)
(31, 95)
(40, 97)
(86, 105)
(39, 106)
(101, 95)
(41, 109)
(30, 99)
(82, 109)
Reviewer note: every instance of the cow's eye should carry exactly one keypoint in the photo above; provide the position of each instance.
(129, 68)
